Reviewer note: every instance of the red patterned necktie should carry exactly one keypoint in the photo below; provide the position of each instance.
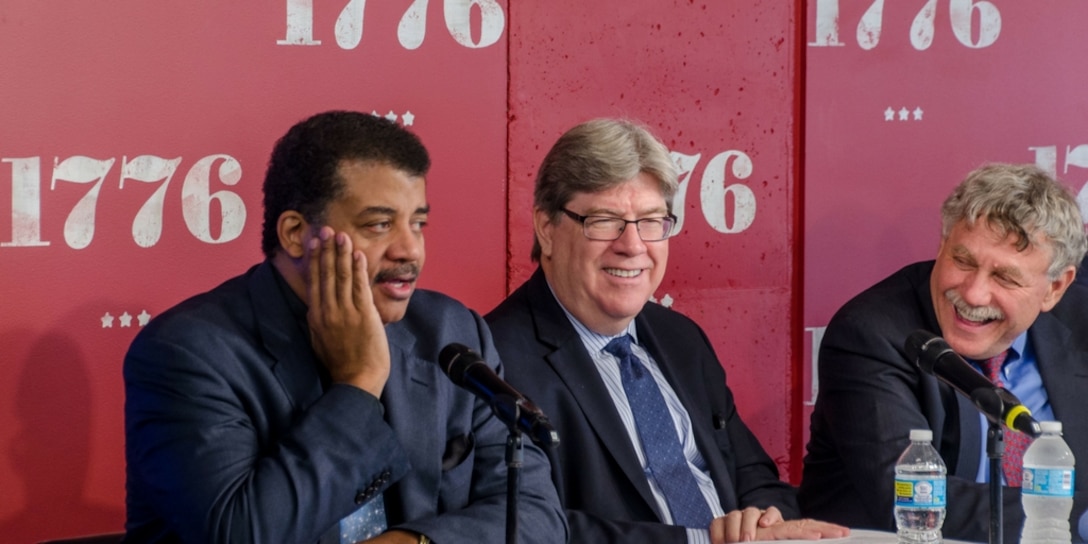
(1015, 442)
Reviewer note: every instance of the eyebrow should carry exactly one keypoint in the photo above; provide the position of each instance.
(386, 210)
(1010, 271)
(612, 212)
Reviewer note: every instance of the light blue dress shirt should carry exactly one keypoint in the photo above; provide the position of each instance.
(1020, 374)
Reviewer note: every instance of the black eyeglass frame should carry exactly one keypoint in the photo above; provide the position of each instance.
(669, 219)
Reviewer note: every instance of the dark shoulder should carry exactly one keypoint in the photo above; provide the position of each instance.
(223, 307)
(434, 320)
(428, 306)
(660, 317)
(898, 298)
(512, 310)
(1072, 310)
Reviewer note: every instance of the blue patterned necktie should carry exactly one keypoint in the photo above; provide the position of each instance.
(366, 522)
(664, 456)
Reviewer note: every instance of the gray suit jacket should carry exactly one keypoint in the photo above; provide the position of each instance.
(871, 396)
(232, 436)
(595, 468)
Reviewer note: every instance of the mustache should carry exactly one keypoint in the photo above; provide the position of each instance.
(973, 313)
(397, 272)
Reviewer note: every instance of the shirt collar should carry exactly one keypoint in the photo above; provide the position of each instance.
(583, 330)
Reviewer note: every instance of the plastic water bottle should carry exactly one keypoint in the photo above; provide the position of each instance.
(920, 492)
(1047, 488)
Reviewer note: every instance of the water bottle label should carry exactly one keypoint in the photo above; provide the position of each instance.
(1052, 482)
(919, 491)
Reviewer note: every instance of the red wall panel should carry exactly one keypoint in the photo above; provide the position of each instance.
(196, 93)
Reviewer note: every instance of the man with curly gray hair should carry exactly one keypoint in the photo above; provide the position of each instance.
(1001, 293)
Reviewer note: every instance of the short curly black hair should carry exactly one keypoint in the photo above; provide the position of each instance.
(303, 170)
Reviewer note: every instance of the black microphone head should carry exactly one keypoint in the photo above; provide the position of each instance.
(923, 348)
(454, 359)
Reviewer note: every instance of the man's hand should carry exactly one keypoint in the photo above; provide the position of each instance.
(753, 524)
(345, 329)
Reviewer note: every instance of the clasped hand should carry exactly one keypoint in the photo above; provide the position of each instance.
(753, 524)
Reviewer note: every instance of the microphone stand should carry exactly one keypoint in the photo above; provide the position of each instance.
(515, 455)
(992, 401)
(995, 451)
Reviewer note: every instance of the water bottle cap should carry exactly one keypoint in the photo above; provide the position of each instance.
(1051, 426)
(921, 435)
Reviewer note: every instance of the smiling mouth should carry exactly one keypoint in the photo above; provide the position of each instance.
(623, 273)
(976, 315)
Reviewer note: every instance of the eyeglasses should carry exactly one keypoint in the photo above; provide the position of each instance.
(604, 228)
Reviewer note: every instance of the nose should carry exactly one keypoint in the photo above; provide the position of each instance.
(629, 242)
(975, 288)
(406, 244)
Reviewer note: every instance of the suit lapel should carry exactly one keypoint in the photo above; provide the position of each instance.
(284, 339)
(1065, 376)
(575, 367)
(411, 406)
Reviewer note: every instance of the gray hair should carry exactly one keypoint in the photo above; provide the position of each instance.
(1020, 201)
(595, 156)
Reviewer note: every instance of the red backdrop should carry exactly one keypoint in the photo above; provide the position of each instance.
(133, 138)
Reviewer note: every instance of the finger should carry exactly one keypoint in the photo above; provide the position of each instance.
(749, 522)
(313, 246)
(361, 295)
(327, 278)
(804, 529)
(732, 523)
(345, 271)
(770, 516)
(717, 531)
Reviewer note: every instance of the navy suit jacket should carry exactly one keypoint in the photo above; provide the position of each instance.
(231, 435)
(871, 396)
(595, 467)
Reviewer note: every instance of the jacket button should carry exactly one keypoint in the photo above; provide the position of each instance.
(360, 497)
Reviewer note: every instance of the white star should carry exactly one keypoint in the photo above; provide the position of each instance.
(375, 113)
(903, 114)
(126, 320)
(917, 113)
(889, 114)
(107, 321)
(666, 301)
(143, 317)
(653, 299)
(408, 118)
(391, 116)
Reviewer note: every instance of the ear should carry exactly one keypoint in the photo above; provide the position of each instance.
(293, 232)
(1057, 288)
(544, 228)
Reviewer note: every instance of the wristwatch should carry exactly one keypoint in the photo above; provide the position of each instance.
(423, 539)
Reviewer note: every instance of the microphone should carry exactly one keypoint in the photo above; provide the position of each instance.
(468, 370)
(934, 356)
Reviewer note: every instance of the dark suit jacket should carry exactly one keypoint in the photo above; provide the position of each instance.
(871, 396)
(232, 437)
(595, 467)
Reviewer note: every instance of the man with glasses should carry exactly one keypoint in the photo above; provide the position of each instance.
(652, 447)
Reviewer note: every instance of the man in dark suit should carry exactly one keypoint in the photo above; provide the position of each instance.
(580, 339)
(1012, 238)
(302, 401)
